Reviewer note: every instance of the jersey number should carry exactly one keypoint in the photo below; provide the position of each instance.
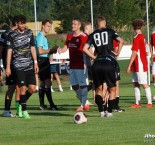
(101, 38)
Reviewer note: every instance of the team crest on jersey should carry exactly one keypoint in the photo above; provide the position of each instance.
(77, 40)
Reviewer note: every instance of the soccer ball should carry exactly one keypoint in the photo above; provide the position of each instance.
(80, 118)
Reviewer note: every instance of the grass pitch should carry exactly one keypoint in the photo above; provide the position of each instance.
(58, 128)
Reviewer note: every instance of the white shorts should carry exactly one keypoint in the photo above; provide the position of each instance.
(139, 77)
(78, 77)
(153, 68)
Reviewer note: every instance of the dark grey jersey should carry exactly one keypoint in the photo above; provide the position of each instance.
(102, 40)
(21, 44)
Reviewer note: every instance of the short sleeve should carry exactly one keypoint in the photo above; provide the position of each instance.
(90, 40)
(9, 42)
(66, 42)
(115, 35)
(39, 41)
(2, 40)
(32, 43)
(135, 45)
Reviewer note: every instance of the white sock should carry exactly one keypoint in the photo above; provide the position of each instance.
(148, 95)
(137, 94)
(84, 93)
(60, 87)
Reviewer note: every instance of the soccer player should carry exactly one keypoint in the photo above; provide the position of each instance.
(139, 66)
(44, 65)
(104, 67)
(152, 50)
(11, 80)
(75, 42)
(22, 54)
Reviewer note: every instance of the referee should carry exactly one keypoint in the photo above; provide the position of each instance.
(44, 66)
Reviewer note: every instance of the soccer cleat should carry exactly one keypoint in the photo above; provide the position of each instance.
(149, 105)
(43, 107)
(7, 114)
(79, 109)
(135, 106)
(86, 107)
(19, 111)
(108, 114)
(102, 114)
(54, 107)
(118, 109)
(26, 115)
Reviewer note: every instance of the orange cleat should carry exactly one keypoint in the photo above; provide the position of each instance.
(87, 107)
(149, 105)
(79, 109)
(135, 106)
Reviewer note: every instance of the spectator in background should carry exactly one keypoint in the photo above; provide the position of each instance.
(139, 66)
(55, 75)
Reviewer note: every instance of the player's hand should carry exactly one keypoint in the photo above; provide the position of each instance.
(128, 70)
(53, 49)
(36, 68)
(8, 72)
(115, 53)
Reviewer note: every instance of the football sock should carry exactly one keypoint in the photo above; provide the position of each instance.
(7, 104)
(84, 93)
(137, 94)
(28, 94)
(148, 95)
(116, 102)
(23, 102)
(41, 96)
(99, 102)
(110, 105)
(105, 106)
(78, 94)
(49, 96)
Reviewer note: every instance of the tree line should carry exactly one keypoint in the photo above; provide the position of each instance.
(119, 13)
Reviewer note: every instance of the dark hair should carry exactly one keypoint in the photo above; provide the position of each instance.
(21, 18)
(77, 19)
(46, 21)
(137, 24)
(14, 20)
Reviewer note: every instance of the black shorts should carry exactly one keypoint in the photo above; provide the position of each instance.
(44, 68)
(25, 78)
(118, 77)
(104, 72)
(90, 76)
(11, 80)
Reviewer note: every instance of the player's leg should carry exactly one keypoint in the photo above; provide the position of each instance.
(58, 81)
(153, 73)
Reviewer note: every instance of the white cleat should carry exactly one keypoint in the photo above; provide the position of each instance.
(61, 90)
(109, 114)
(102, 114)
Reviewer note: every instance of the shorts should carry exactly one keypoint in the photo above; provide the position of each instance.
(11, 80)
(118, 77)
(153, 68)
(104, 72)
(53, 68)
(25, 78)
(90, 76)
(78, 77)
(44, 68)
(139, 77)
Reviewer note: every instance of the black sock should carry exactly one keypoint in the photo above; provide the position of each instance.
(28, 94)
(7, 104)
(110, 105)
(41, 96)
(105, 106)
(23, 102)
(116, 102)
(99, 102)
(49, 96)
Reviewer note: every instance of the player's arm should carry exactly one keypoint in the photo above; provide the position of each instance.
(63, 49)
(8, 60)
(88, 52)
(121, 42)
(34, 56)
(132, 58)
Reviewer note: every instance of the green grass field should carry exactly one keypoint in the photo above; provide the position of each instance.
(58, 128)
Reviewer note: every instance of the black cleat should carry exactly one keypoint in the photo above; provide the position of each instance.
(43, 107)
(54, 107)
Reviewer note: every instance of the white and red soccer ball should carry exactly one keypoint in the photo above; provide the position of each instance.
(80, 118)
